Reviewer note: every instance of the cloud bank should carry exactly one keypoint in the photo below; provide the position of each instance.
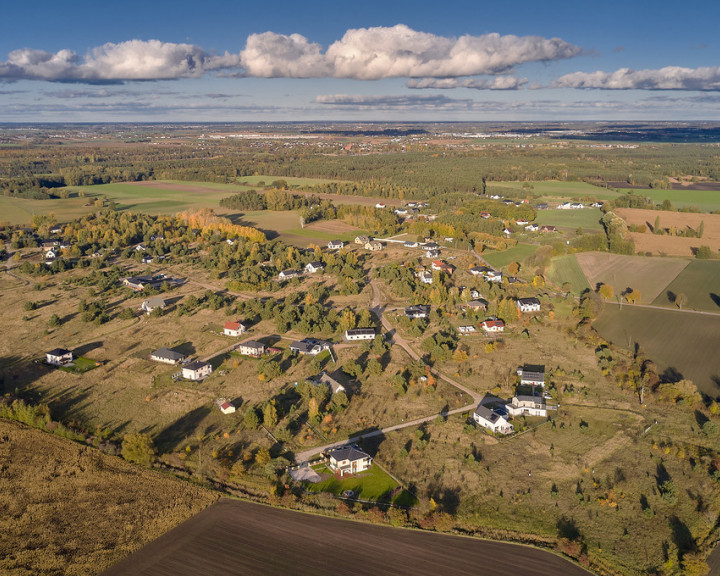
(668, 78)
(361, 54)
(498, 83)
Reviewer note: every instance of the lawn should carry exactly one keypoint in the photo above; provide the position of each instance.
(682, 341)
(566, 269)
(517, 253)
(649, 275)
(705, 200)
(588, 218)
(700, 282)
(291, 180)
(374, 484)
(81, 365)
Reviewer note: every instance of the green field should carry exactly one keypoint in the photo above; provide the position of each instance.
(587, 218)
(374, 484)
(681, 341)
(515, 254)
(649, 275)
(556, 189)
(705, 200)
(700, 282)
(291, 180)
(566, 269)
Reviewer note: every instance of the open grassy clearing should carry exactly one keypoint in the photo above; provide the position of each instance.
(291, 180)
(70, 509)
(373, 484)
(648, 275)
(684, 342)
(566, 269)
(700, 282)
(705, 200)
(557, 189)
(588, 219)
(517, 253)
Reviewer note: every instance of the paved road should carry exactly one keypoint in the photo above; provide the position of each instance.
(377, 308)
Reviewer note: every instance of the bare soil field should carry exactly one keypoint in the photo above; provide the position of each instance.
(72, 510)
(667, 244)
(242, 538)
(649, 275)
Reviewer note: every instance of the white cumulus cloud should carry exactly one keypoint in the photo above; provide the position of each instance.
(131, 60)
(668, 78)
(397, 51)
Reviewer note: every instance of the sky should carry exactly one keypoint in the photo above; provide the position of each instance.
(391, 60)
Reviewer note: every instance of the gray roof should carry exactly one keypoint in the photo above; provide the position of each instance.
(528, 301)
(349, 452)
(196, 365)
(155, 302)
(528, 398)
(532, 372)
(252, 344)
(168, 354)
(58, 352)
(360, 331)
(485, 412)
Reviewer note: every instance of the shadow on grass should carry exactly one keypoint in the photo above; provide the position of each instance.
(177, 433)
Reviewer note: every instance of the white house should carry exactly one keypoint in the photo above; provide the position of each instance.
(493, 276)
(528, 304)
(374, 246)
(492, 420)
(336, 245)
(565, 206)
(410, 244)
(532, 227)
(313, 267)
(425, 277)
(522, 222)
(528, 405)
(417, 311)
(167, 356)
(362, 240)
(234, 328)
(380, 205)
(151, 304)
(59, 357)
(532, 374)
(251, 348)
(359, 334)
(348, 460)
(196, 370)
(466, 329)
(288, 274)
(432, 253)
(309, 346)
(51, 254)
(493, 325)
(225, 406)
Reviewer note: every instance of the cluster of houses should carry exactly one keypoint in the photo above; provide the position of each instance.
(310, 268)
(369, 244)
(577, 205)
(495, 416)
(195, 370)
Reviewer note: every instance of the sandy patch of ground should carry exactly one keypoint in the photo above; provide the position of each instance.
(332, 226)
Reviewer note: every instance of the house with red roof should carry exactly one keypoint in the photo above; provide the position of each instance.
(234, 328)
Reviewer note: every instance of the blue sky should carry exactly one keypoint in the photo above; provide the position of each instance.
(329, 60)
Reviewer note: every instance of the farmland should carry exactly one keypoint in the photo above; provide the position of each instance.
(246, 538)
(669, 243)
(70, 509)
(587, 218)
(556, 189)
(566, 269)
(517, 253)
(700, 282)
(648, 275)
(684, 342)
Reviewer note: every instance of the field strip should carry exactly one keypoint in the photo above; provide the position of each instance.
(651, 307)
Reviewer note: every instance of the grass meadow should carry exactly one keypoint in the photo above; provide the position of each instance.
(517, 253)
(700, 282)
(588, 219)
(565, 190)
(566, 269)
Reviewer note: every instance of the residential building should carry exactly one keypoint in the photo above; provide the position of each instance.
(235, 328)
(532, 227)
(442, 267)
(362, 240)
(532, 374)
(329, 381)
(309, 346)
(151, 304)
(493, 276)
(374, 246)
(313, 267)
(225, 406)
(139, 283)
(432, 253)
(425, 277)
(410, 244)
(288, 274)
(493, 325)
(167, 356)
(418, 311)
(380, 205)
(59, 357)
(359, 334)
(477, 305)
(527, 405)
(541, 206)
(493, 420)
(336, 245)
(466, 329)
(480, 270)
(430, 245)
(548, 229)
(251, 348)
(51, 254)
(348, 459)
(528, 304)
(196, 370)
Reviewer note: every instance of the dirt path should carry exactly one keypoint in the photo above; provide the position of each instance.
(651, 307)
(394, 338)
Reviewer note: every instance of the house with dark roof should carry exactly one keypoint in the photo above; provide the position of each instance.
(151, 304)
(528, 304)
(477, 305)
(251, 348)
(336, 245)
(348, 459)
(532, 374)
(313, 267)
(362, 239)
(288, 274)
(309, 346)
(196, 370)
(374, 246)
(418, 311)
(355, 334)
(167, 356)
(139, 283)
(523, 404)
(235, 328)
(59, 357)
(329, 381)
(493, 420)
